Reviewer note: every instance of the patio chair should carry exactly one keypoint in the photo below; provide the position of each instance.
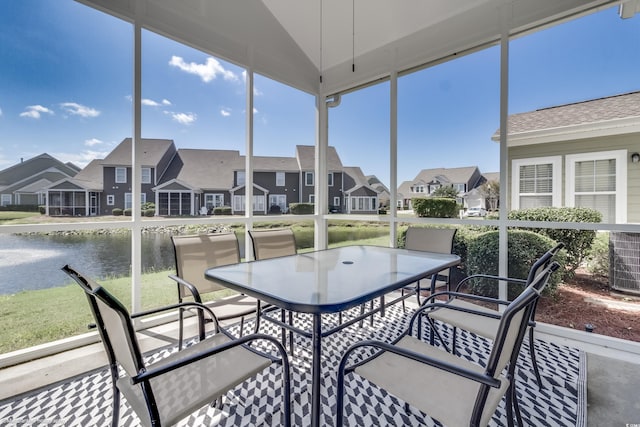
(482, 324)
(194, 254)
(438, 240)
(449, 388)
(163, 392)
(273, 243)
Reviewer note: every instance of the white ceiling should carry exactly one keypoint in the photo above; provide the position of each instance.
(296, 41)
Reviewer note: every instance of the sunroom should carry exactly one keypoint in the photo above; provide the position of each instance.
(354, 59)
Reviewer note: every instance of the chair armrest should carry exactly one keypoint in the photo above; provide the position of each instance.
(454, 294)
(402, 352)
(152, 373)
(187, 304)
(488, 276)
(181, 282)
(446, 306)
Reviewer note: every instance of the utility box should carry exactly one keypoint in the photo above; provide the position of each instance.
(624, 261)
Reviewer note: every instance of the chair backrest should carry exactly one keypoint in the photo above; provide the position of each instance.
(113, 322)
(543, 262)
(273, 243)
(511, 331)
(439, 240)
(195, 253)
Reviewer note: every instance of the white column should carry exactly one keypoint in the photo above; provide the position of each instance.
(248, 175)
(393, 158)
(136, 175)
(320, 170)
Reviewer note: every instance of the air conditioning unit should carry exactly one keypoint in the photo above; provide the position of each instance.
(624, 261)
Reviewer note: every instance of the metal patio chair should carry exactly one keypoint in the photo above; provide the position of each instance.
(163, 392)
(449, 388)
(194, 254)
(487, 325)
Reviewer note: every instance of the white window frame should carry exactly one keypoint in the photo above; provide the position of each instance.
(363, 203)
(258, 203)
(279, 200)
(418, 188)
(330, 179)
(460, 188)
(5, 199)
(620, 156)
(312, 198)
(556, 179)
(240, 205)
(241, 177)
(121, 175)
(336, 201)
(213, 200)
(309, 179)
(280, 181)
(111, 200)
(128, 200)
(146, 176)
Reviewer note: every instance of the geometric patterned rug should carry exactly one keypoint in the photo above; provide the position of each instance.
(86, 400)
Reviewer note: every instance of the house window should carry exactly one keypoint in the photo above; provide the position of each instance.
(279, 200)
(121, 175)
(213, 200)
(460, 188)
(336, 201)
(146, 176)
(598, 181)
(308, 179)
(279, 179)
(239, 203)
(312, 198)
(418, 188)
(536, 182)
(111, 200)
(127, 200)
(5, 199)
(330, 179)
(363, 203)
(240, 177)
(143, 198)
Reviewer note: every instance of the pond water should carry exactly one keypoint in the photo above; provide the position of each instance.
(30, 262)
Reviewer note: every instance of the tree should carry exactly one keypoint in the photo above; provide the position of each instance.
(445, 191)
(490, 190)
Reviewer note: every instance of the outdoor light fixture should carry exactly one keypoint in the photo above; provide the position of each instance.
(635, 157)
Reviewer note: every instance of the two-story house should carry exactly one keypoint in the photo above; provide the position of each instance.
(25, 183)
(463, 179)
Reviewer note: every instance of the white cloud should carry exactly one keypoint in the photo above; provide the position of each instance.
(0, 112)
(255, 110)
(79, 110)
(166, 102)
(150, 102)
(81, 159)
(36, 111)
(184, 118)
(225, 112)
(207, 71)
(93, 141)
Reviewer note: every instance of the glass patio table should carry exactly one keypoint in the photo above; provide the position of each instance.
(329, 281)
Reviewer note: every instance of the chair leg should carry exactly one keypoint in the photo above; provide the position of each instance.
(258, 315)
(180, 328)
(534, 362)
(291, 332)
(241, 326)
(115, 412)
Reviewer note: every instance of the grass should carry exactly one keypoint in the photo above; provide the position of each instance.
(11, 216)
(35, 317)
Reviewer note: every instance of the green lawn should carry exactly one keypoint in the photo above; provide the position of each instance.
(7, 216)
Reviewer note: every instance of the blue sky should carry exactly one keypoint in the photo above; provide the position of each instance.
(66, 85)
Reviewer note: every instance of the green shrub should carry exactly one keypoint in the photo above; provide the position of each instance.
(524, 248)
(435, 207)
(577, 242)
(42, 209)
(127, 212)
(301, 208)
(116, 211)
(149, 212)
(148, 205)
(21, 208)
(222, 210)
(598, 257)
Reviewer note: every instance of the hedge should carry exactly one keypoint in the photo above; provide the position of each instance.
(301, 208)
(116, 211)
(21, 208)
(222, 210)
(577, 242)
(435, 207)
(524, 248)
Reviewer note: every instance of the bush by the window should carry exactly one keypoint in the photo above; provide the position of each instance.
(435, 207)
(127, 212)
(301, 208)
(524, 248)
(222, 210)
(149, 212)
(577, 242)
(116, 211)
(598, 257)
